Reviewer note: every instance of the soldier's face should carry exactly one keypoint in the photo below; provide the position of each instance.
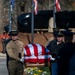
(60, 39)
(14, 38)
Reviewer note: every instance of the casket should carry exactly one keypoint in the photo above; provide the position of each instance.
(36, 55)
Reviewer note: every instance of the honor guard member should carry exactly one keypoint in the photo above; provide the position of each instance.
(66, 61)
(54, 46)
(55, 31)
(14, 50)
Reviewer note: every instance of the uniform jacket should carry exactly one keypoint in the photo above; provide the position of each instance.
(66, 65)
(54, 48)
(14, 48)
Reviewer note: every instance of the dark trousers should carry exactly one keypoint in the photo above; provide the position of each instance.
(54, 68)
(15, 67)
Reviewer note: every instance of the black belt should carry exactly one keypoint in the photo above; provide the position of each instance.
(11, 58)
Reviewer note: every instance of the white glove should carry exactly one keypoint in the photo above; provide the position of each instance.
(51, 58)
(22, 59)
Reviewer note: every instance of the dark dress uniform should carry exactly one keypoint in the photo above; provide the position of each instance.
(14, 48)
(66, 61)
(66, 65)
(54, 50)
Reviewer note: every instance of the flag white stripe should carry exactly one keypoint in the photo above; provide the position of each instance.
(39, 57)
(31, 57)
(39, 48)
(31, 48)
(44, 57)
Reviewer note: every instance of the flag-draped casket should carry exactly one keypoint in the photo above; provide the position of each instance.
(34, 53)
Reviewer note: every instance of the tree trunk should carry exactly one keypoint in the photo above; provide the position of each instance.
(1, 17)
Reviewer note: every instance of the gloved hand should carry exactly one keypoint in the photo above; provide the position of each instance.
(51, 58)
(22, 59)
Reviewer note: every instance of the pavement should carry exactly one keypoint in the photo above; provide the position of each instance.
(3, 68)
(2, 55)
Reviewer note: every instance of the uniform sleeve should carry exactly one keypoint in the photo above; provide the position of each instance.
(23, 51)
(10, 52)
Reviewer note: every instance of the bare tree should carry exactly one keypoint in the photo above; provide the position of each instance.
(26, 5)
(1, 17)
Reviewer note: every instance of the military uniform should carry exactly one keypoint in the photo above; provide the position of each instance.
(14, 51)
(66, 61)
(54, 50)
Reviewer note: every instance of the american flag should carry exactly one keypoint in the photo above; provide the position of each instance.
(35, 6)
(58, 8)
(36, 53)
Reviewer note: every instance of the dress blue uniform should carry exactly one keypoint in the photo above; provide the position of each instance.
(66, 62)
(54, 50)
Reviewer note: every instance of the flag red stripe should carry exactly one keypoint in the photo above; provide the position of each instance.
(28, 51)
(58, 5)
(35, 49)
(36, 6)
